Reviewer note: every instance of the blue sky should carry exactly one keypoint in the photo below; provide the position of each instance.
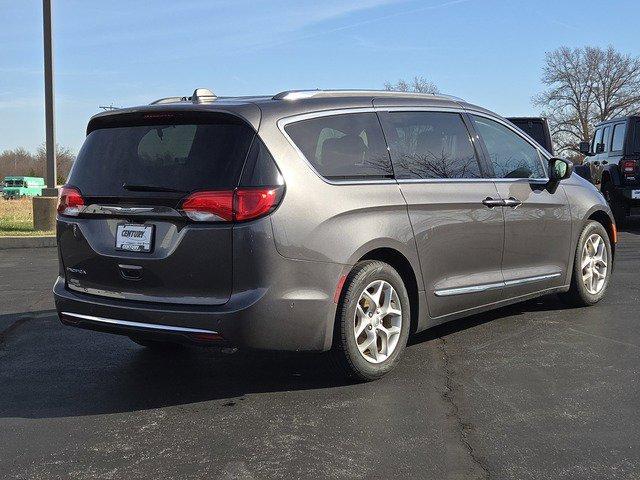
(130, 52)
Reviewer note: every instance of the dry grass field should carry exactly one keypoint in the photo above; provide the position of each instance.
(16, 218)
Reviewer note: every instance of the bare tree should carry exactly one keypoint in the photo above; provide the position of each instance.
(417, 85)
(21, 162)
(586, 86)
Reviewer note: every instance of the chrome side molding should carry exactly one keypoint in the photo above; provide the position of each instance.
(493, 286)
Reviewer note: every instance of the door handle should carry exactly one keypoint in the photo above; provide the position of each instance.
(512, 202)
(493, 202)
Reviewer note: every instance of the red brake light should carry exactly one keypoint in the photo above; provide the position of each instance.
(70, 202)
(237, 205)
(209, 206)
(629, 166)
(252, 203)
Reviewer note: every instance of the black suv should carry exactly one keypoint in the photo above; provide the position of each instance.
(613, 158)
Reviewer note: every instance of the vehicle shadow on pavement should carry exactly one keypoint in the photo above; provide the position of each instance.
(632, 225)
(49, 370)
(541, 304)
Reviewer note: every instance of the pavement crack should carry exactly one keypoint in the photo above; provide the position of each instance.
(19, 320)
(463, 428)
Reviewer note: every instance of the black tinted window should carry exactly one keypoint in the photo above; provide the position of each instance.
(535, 129)
(430, 145)
(343, 146)
(183, 157)
(636, 137)
(619, 131)
(511, 155)
(260, 169)
(606, 138)
(597, 140)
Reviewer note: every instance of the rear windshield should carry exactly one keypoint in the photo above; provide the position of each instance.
(173, 155)
(636, 136)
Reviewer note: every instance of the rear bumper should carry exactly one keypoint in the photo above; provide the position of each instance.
(296, 313)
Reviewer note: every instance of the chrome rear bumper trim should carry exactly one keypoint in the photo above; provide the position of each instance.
(127, 323)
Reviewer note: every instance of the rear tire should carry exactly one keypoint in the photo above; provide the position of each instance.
(617, 207)
(372, 322)
(156, 345)
(591, 267)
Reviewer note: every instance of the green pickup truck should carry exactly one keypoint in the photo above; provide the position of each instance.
(17, 187)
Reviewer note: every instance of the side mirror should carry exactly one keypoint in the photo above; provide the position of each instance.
(559, 169)
(585, 148)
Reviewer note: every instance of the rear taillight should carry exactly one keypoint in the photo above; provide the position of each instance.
(628, 168)
(239, 205)
(70, 202)
(250, 203)
(209, 206)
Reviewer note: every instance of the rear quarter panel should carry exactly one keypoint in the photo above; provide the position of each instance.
(326, 222)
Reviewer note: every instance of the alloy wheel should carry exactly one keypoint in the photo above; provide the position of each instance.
(378, 321)
(594, 264)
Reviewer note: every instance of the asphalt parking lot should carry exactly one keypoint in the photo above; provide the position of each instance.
(533, 391)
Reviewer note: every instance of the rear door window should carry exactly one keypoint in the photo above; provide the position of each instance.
(606, 139)
(430, 145)
(510, 155)
(343, 147)
(636, 137)
(180, 155)
(619, 130)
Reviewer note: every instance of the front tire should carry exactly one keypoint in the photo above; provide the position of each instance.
(591, 267)
(372, 321)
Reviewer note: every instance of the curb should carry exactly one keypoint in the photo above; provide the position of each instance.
(27, 242)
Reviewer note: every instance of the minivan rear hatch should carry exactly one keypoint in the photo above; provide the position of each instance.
(131, 239)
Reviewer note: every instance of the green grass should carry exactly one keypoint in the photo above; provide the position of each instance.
(16, 218)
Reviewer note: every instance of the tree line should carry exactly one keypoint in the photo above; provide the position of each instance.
(22, 162)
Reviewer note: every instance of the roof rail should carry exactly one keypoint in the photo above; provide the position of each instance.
(200, 95)
(302, 94)
(168, 100)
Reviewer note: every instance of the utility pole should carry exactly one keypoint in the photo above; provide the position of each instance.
(49, 102)
(44, 207)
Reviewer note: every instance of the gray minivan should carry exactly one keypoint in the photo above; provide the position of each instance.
(339, 221)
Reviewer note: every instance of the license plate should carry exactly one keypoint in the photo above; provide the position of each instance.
(635, 194)
(134, 238)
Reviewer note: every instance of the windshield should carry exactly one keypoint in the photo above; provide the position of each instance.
(175, 158)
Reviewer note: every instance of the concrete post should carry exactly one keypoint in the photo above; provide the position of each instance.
(44, 213)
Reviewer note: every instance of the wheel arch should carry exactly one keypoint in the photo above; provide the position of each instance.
(608, 223)
(403, 266)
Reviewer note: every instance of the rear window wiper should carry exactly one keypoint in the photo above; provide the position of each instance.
(150, 188)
